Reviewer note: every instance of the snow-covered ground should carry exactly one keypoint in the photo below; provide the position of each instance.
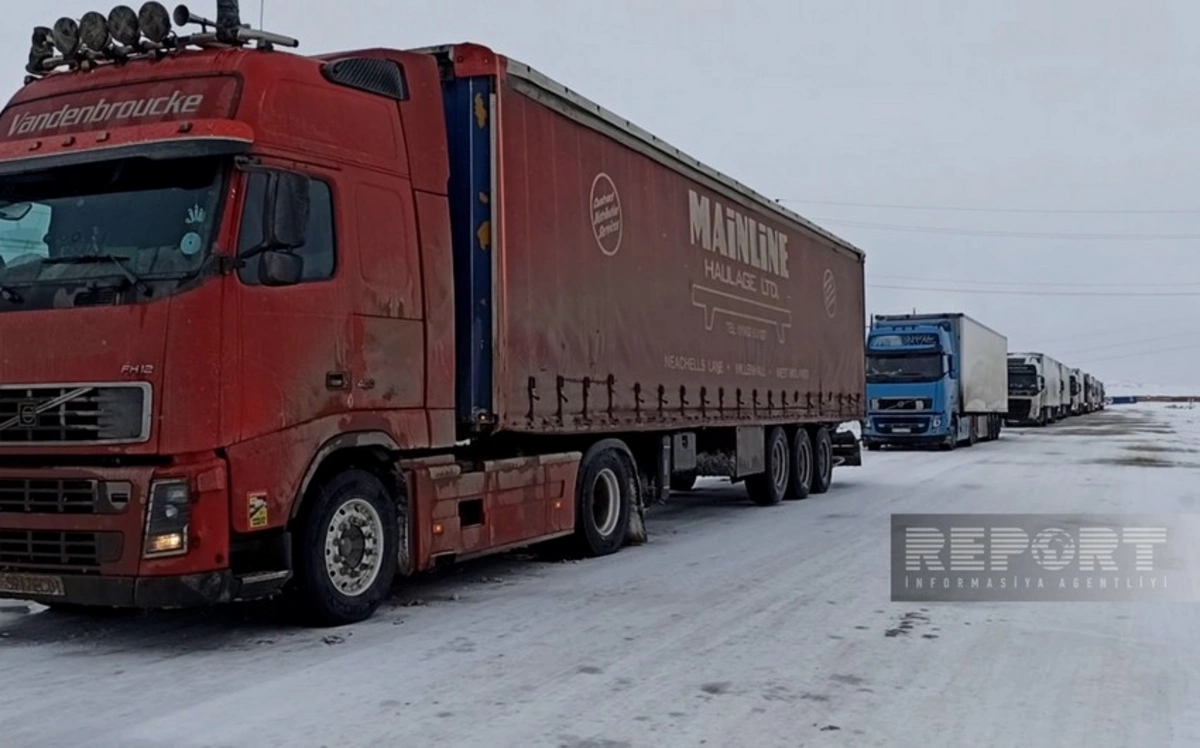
(735, 626)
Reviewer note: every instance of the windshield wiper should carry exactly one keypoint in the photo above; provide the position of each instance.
(118, 261)
(10, 295)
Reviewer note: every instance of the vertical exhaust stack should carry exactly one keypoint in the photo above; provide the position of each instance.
(229, 21)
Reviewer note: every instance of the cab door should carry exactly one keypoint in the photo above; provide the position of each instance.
(294, 339)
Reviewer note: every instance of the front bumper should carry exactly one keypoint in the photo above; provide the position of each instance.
(911, 428)
(84, 528)
(191, 590)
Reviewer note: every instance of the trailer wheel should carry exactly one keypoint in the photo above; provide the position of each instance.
(770, 486)
(346, 554)
(801, 483)
(683, 482)
(823, 450)
(603, 501)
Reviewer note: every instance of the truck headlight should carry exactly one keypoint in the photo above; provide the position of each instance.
(167, 518)
(937, 422)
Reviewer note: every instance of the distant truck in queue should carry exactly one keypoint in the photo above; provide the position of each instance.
(303, 325)
(1076, 390)
(1037, 390)
(934, 379)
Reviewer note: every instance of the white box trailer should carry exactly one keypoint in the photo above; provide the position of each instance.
(983, 384)
(1052, 398)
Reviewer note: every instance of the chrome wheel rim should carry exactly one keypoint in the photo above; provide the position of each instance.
(354, 547)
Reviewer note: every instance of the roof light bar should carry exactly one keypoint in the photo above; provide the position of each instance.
(125, 34)
(93, 31)
(123, 25)
(66, 36)
(155, 22)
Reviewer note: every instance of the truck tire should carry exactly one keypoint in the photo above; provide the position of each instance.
(801, 482)
(823, 460)
(346, 552)
(603, 500)
(770, 486)
(972, 432)
(683, 482)
(952, 444)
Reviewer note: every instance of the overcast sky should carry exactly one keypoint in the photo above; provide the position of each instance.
(1040, 117)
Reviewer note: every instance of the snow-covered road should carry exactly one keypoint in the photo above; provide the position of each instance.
(735, 626)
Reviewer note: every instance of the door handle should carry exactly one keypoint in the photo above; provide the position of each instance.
(337, 380)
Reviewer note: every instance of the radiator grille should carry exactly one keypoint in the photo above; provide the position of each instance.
(74, 414)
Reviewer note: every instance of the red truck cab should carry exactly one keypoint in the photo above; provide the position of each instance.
(186, 338)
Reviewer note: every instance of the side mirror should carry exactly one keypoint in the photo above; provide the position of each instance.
(285, 225)
(280, 267)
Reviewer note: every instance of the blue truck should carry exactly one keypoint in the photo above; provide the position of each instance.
(934, 380)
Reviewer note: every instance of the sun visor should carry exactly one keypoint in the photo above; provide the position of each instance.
(161, 141)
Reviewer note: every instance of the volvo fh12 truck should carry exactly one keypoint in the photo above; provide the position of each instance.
(284, 324)
(934, 379)
(1038, 389)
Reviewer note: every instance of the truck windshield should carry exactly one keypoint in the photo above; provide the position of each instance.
(913, 367)
(1022, 380)
(136, 222)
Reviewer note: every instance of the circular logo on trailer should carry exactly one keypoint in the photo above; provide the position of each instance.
(830, 289)
(606, 214)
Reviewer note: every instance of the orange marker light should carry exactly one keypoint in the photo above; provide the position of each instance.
(438, 529)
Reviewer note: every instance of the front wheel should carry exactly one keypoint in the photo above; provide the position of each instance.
(952, 443)
(347, 550)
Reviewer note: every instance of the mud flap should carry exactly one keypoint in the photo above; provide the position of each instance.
(847, 449)
(653, 487)
(636, 534)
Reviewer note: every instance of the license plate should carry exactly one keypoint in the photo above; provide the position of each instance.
(901, 430)
(37, 585)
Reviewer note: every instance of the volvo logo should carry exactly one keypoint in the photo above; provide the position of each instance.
(27, 413)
